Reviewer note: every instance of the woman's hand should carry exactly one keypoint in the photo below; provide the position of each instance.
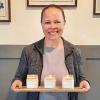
(16, 84)
(84, 85)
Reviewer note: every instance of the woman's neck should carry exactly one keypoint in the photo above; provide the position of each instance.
(53, 43)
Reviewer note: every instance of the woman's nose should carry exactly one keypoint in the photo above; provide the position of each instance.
(53, 25)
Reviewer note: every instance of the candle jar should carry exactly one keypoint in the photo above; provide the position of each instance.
(68, 81)
(32, 81)
(49, 81)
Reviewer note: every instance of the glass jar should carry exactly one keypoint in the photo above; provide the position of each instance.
(68, 81)
(32, 81)
(49, 81)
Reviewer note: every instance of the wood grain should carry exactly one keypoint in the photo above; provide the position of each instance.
(42, 89)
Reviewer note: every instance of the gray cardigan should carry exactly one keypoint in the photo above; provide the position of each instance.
(31, 62)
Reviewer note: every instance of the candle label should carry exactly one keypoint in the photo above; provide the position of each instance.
(49, 81)
(68, 81)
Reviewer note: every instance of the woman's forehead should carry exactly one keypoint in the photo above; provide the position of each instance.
(52, 12)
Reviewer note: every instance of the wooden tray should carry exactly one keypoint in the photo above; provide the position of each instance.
(57, 89)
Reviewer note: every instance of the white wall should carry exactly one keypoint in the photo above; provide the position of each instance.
(82, 28)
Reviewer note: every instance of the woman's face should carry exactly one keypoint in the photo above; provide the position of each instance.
(52, 23)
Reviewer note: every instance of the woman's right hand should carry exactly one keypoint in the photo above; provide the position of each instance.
(16, 84)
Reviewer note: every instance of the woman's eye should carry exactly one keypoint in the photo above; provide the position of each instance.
(47, 22)
(57, 22)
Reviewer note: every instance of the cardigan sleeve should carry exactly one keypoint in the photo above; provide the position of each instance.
(22, 69)
(79, 65)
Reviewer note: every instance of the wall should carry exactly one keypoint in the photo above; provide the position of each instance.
(82, 28)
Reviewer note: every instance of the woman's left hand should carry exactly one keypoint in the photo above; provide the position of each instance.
(84, 85)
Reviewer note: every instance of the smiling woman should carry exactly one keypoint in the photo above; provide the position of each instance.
(52, 55)
(52, 24)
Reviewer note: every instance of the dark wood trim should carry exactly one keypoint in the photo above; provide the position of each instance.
(94, 8)
(46, 5)
(9, 13)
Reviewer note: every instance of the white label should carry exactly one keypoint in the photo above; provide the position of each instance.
(32, 84)
(49, 84)
(68, 84)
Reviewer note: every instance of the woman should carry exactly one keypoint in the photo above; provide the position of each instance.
(50, 54)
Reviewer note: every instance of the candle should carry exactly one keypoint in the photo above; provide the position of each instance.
(49, 81)
(32, 81)
(68, 81)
